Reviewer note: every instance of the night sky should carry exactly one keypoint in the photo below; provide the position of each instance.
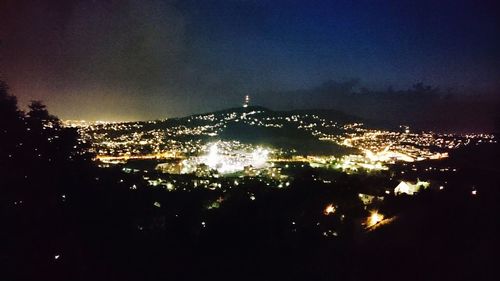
(145, 59)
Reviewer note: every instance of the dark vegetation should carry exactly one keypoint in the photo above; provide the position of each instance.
(54, 202)
(288, 137)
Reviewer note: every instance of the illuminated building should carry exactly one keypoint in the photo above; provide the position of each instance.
(409, 188)
(369, 199)
(246, 102)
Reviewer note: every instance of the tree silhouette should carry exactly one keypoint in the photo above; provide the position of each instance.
(38, 115)
(12, 129)
(11, 124)
(36, 153)
(40, 166)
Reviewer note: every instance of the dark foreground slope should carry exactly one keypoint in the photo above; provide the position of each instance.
(109, 232)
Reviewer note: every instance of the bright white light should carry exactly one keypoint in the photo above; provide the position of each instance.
(225, 160)
(212, 159)
(386, 156)
(259, 157)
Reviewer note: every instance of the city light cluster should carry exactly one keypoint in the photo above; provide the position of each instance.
(192, 139)
(220, 157)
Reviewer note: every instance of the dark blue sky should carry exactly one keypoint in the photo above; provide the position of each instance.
(151, 59)
(399, 42)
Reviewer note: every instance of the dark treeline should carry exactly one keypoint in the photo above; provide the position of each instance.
(36, 152)
(40, 162)
(63, 218)
(422, 106)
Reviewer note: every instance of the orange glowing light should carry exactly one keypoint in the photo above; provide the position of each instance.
(374, 218)
(330, 209)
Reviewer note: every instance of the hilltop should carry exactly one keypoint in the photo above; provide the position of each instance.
(289, 130)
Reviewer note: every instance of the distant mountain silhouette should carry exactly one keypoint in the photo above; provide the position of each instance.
(331, 114)
(287, 137)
